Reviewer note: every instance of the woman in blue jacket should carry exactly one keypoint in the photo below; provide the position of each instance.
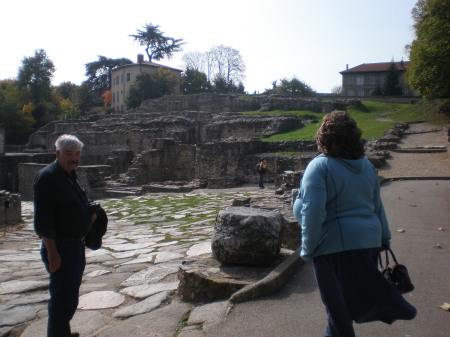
(344, 225)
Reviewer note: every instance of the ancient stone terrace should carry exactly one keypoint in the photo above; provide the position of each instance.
(184, 138)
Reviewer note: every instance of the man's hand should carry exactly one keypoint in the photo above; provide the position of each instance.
(54, 259)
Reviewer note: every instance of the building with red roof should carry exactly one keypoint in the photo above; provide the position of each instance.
(368, 78)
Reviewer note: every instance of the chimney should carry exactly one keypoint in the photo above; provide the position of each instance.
(140, 58)
(347, 66)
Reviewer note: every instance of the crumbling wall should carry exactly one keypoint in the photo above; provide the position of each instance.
(91, 177)
(220, 164)
(9, 173)
(181, 138)
(217, 103)
(10, 209)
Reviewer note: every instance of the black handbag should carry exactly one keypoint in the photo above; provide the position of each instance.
(397, 275)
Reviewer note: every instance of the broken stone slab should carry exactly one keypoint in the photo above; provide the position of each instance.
(145, 290)
(96, 273)
(27, 300)
(142, 307)
(128, 246)
(146, 259)
(166, 256)
(127, 254)
(208, 314)
(20, 258)
(86, 323)
(100, 300)
(152, 274)
(247, 236)
(199, 249)
(16, 315)
(17, 286)
(206, 281)
(160, 322)
(192, 331)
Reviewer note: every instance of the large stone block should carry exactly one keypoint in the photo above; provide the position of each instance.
(247, 236)
(10, 209)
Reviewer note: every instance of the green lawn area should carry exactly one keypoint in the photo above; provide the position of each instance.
(373, 119)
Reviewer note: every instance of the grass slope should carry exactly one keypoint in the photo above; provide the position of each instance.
(372, 117)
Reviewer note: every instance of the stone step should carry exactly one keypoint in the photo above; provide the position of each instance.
(113, 192)
(422, 149)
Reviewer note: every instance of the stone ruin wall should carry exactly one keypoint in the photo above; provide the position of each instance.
(10, 209)
(92, 178)
(233, 103)
(165, 140)
(220, 164)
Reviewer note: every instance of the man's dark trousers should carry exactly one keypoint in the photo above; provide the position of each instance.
(64, 287)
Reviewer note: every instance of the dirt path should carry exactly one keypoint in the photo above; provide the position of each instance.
(419, 164)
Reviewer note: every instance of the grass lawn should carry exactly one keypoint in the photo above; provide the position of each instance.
(373, 119)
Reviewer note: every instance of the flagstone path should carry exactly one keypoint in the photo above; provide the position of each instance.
(134, 272)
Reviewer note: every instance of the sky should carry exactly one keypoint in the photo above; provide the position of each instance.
(312, 40)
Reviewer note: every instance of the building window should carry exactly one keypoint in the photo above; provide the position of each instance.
(361, 92)
(360, 80)
(114, 97)
(350, 93)
(117, 79)
(128, 77)
(349, 80)
(121, 78)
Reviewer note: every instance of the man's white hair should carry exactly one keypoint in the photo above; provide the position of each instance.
(68, 142)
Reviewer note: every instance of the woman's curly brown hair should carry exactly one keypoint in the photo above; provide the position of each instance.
(339, 136)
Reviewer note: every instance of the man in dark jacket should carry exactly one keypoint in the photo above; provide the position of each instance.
(62, 219)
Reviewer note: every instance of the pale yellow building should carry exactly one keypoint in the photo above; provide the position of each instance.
(124, 77)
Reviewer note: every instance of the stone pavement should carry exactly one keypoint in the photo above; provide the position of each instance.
(129, 285)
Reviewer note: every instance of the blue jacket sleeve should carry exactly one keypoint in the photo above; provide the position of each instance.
(381, 214)
(310, 208)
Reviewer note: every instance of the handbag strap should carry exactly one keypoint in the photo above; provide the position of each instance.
(393, 256)
(386, 258)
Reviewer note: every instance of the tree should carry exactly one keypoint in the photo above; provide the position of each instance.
(429, 52)
(157, 46)
(99, 72)
(14, 115)
(391, 85)
(66, 89)
(148, 86)
(35, 77)
(85, 99)
(293, 87)
(228, 63)
(337, 90)
(107, 98)
(221, 86)
(194, 60)
(194, 82)
(36, 74)
(223, 61)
